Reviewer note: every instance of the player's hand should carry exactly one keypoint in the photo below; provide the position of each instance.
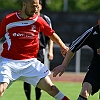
(50, 56)
(64, 50)
(58, 70)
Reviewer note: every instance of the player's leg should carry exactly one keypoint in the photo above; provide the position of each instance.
(40, 57)
(85, 92)
(91, 82)
(3, 86)
(47, 85)
(5, 75)
(38, 93)
(37, 75)
(27, 90)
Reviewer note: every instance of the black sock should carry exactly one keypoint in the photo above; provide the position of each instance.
(38, 93)
(81, 98)
(27, 90)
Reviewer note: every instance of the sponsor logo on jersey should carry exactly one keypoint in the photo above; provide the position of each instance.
(18, 34)
(24, 35)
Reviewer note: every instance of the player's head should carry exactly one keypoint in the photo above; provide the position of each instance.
(40, 2)
(40, 7)
(30, 7)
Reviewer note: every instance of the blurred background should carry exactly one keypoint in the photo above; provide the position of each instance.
(70, 18)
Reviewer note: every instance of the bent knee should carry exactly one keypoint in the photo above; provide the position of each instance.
(85, 93)
(86, 89)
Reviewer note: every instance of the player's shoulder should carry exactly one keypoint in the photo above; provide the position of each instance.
(11, 15)
(45, 16)
(40, 18)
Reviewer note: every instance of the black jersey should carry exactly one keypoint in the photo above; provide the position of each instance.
(91, 38)
(43, 40)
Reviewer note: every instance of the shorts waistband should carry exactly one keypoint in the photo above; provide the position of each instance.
(18, 60)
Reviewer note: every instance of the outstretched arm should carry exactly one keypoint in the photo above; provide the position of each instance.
(61, 68)
(87, 38)
(54, 37)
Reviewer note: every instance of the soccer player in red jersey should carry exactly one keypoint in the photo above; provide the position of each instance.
(18, 59)
(44, 41)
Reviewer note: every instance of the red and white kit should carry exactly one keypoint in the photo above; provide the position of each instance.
(18, 58)
(22, 36)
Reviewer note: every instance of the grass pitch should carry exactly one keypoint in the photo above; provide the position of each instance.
(72, 90)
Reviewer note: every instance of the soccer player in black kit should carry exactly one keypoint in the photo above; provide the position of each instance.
(91, 82)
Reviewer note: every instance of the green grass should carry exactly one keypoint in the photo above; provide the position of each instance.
(15, 92)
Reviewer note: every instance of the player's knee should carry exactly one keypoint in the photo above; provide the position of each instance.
(86, 90)
(85, 93)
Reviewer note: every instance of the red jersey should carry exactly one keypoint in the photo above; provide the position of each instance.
(22, 36)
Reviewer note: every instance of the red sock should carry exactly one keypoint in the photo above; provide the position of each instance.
(65, 98)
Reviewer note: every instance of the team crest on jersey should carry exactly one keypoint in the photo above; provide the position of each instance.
(34, 28)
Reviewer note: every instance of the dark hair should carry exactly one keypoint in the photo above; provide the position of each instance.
(25, 0)
(40, 2)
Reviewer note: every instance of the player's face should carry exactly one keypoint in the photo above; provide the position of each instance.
(39, 9)
(31, 7)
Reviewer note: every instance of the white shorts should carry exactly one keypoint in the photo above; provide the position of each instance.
(30, 71)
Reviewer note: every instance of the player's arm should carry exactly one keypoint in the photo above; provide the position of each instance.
(48, 31)
(54, 37)
(85, 39)
(50, 43)
(48, 20)
(2, 28)
(50, 50)
(61, 68)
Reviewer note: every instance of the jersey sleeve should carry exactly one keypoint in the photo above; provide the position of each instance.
(45, 28)
(48, 20)
(2, 28)
(84, 39)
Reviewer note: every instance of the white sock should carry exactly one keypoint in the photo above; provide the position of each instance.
(59, 96)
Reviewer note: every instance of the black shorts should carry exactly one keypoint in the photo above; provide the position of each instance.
(93, 77)
(40, 56)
